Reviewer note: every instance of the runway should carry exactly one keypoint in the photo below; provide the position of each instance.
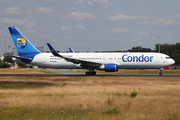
(83, 75)
(76, 73)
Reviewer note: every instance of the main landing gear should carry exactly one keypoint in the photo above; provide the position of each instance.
(91, 72)
(160, 73)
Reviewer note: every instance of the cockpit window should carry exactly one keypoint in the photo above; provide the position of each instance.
(167, 57)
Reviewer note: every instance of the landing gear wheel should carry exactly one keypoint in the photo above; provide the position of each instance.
(93, 73)
(87, 73)
(160, 73)
(90, 73)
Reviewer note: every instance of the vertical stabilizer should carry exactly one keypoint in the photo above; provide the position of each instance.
(23, 46)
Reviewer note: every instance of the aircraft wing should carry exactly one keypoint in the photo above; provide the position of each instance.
(84, 63)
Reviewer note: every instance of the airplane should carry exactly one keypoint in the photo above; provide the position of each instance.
(108, 62)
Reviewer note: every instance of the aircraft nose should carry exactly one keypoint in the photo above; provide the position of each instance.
(172, 61)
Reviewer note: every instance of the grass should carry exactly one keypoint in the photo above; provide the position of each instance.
(21, 113)
(134, 94)
(18, 113)
(22, 85)
(89, 98)
(21, 71)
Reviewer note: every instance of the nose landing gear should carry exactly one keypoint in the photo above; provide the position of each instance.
(160, 73)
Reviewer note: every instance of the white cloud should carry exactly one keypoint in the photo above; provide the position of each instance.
(177, 15)
(46, 36)
(165, 22)
(41, 10)
(8, 1)
(75, 2)
(44, 9)
(49, 37)
(125, 17)
(143, 34)
(28, 24)
(11, 10)
(65, 28)
(80, 16)
(25, 23)
(33, 31)
(100, 2)
(78, 2)
(3, 33)
(81, 27)
(16, 10)
(121, 30)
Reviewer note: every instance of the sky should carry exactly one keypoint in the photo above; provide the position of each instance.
(91, 25)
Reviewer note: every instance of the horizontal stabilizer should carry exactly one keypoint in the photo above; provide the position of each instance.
(22, 58)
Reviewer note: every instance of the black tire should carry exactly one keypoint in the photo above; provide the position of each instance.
(90, 73)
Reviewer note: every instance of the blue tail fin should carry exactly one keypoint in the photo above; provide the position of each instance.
(23, 46)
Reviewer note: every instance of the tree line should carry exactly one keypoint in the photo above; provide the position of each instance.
(173, 50)
(8, 62)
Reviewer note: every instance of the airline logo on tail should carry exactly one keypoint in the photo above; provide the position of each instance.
(21, 43)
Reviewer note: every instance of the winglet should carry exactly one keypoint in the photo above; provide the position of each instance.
(71, 50)
(53, 51)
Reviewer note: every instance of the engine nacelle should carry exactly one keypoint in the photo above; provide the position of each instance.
(110, 67)
(14, 59)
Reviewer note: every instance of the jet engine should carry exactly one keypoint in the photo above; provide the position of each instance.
(110, 67)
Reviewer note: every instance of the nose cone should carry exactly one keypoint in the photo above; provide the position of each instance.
(172, 62)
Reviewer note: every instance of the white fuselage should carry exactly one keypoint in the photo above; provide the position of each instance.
(125, 60)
